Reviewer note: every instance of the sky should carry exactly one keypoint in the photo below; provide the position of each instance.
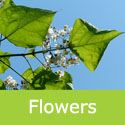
(104, 14)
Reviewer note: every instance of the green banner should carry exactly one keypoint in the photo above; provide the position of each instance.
(90, 107)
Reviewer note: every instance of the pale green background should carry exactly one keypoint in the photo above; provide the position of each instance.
(14, 108)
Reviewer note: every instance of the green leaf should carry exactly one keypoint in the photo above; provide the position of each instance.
(31, 51)
(24, 26)
(67, 80)
(28, 74)
(44, 77)
(47, 80)
(90, 43)
(3, 67)
(2, 86)
(58, 85)
(7, 4)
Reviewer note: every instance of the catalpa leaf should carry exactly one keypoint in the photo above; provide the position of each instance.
(67, 78)
(2, 86)
(90, 43)
(24, 26)
(45, 79)
(3, 67)
(28, 74)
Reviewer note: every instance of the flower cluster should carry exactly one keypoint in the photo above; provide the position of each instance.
(54, 35)
(57, 46)
(10, 82)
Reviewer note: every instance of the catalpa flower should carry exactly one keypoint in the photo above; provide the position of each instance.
(65, 27)
(61, 57)
(60, 73)
(48, 59)
(62, 32)
(58, 46)
(10, 82)
(70, 30)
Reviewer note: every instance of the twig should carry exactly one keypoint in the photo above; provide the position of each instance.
(29, 65)
(40, 61)
(33, 53)
(3, 39)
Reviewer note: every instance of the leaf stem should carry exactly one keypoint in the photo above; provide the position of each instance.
(40, 61)
(29, 65)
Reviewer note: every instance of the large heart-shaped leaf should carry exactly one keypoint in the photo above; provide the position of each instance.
(3, 67)
(89, 43)
(45, 79)
(23, 26)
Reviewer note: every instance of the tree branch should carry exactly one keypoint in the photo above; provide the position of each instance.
(3, 39)
(33, 53)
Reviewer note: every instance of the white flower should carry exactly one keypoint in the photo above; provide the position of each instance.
(62, 32)
(58, 46)
(10, 82)
(60, 73)
(63, 58)
(46, 45)
(76, 61)
(66, 52)
(73, 61)
(53, 34)
(58, 55)
(45, 65)
(48, 59)
(25, 84)
(50, 31)
(65, 27)
(9, 78)
(58, 52)
(56, 31)
(57, 58)
(66, 44)
(47, 37)
(56, 61)
(54, 37)
(70, 30)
